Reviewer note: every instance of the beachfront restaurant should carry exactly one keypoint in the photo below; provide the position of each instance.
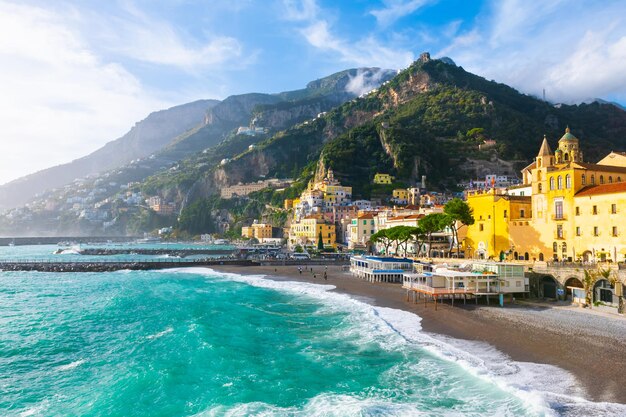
(443, 281)
(380, 269)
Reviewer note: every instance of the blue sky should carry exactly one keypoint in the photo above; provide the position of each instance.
(76, 74)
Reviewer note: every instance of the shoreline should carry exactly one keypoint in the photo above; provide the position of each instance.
(594, 356)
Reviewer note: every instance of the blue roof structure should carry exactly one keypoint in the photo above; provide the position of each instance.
(388, 259)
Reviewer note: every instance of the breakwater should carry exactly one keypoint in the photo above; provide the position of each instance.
(108, 266)
(53, 240)
(165, 251)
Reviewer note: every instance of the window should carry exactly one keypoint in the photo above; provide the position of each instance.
(568, 181)
(577, 231)
(559, 183)
(577, 211)
(554, 247)
(559, 231)
(601, 179)
(595, 230)
(522, 213)
(593, 179)
(552, 183)
(583, 180)
(594, 211)
(364, 222)
(613, 208)
(558, 210)
(610, 179)
(619, 179)
(505, 213)
(614, 231)
(481, 227)
(539, 188)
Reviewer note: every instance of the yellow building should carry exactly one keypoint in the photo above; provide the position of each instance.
(288, 204)
(600, 231)
(400, 194)
(383, 179)
(500, 220)
(258, 231)
(307, 232)
(561, 224)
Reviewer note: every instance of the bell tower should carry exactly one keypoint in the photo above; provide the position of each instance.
(569, 150)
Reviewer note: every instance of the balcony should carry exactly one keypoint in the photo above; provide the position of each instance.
(559, 217)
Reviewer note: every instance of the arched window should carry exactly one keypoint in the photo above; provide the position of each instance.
(601, 179)
(554, 247)
(610, 179)
(559, 182)
(526, 257)
(541, 257)
(568, 181)
(552, 183)
(566, 157)
(593, 179)
(584, 179)
(564, 248)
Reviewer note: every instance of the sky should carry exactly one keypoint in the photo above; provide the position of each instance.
(77, 74)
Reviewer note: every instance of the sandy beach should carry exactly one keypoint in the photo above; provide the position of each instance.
(589, 345)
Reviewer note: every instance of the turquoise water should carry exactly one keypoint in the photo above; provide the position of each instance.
(197, 343)
(45, 253)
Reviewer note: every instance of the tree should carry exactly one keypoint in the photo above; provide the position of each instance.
(433, 223)
(320, 242)
(419, 237)
(460, 214)
(382, 237)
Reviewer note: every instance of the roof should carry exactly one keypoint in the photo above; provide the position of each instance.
(616, 187)
(568, 136)
(545, 148)
(366, 216)
(530, 166)
(405, 217)
(388, 259)
(603, 168)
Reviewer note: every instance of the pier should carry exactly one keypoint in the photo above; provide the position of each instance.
(112, 265)
(164, 251)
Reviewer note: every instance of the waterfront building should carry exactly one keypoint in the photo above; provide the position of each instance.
(380, 269)
(361, 230)
(259, 231)
(306, 232)
(572, 215)
(476, 280)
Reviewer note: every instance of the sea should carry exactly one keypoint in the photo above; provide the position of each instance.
(196, 342)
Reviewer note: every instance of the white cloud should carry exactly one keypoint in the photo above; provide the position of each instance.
(59, 100)
(575, 50)
(300, 10)
(139, 36)
(396, 9)
(364, 52)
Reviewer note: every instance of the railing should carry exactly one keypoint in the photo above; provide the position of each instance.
(440, 290)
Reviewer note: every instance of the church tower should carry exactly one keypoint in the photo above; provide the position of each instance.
(569, 150)
(544, 158)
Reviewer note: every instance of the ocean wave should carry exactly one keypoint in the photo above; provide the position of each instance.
(160, 334)
(70, 366)
(545, 389)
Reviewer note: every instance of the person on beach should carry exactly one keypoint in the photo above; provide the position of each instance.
(325, 276)
(300, 270)
(314, 276)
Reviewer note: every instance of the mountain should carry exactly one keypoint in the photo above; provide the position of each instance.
(428, 120)
(172, 168)
(147, 136)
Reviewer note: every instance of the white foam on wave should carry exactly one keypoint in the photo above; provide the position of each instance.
(546, 389)
(70, 366)
(160, 334)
